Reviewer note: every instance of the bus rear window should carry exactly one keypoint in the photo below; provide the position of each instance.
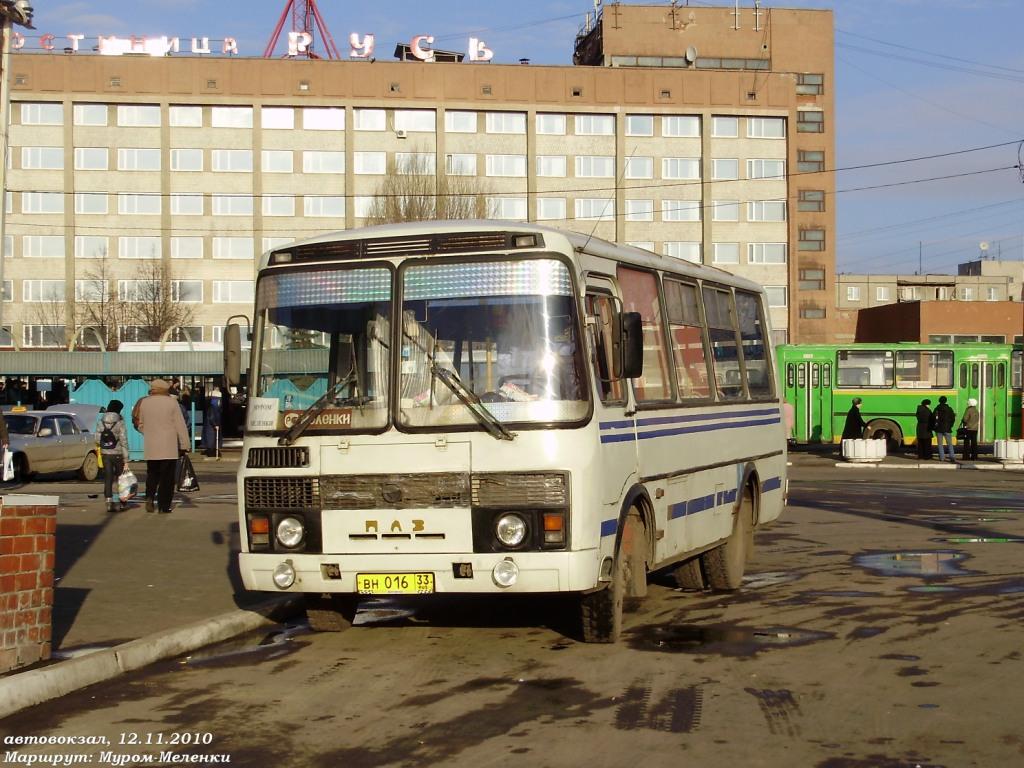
(924, 370)
(864, 368)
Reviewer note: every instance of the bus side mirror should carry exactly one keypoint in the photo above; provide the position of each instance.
(232, 354)
(629, 345)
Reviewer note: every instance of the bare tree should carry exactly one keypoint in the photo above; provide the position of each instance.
(99, 305)
(416, 191)
(156, 308)
(50, 310)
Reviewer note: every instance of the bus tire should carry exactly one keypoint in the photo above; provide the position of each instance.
(884, 429)
(330, 613)
(689, 576)
(725, 564)
(601, 611)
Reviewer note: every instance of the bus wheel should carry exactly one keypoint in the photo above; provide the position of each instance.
(330, 613)
(688, 575)
(601, 612)
(724, 565)
(883, 429)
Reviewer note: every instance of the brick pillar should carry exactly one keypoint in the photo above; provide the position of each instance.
(28, 525)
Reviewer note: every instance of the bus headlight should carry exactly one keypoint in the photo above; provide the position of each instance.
(284, 575)
(505, 573)
(510, 530)
(290, 532)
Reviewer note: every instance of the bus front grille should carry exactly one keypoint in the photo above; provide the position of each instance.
(397, 491)
(289, 457)
(277, 493)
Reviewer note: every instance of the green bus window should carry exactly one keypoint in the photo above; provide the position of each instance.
(1001, 375)
(826, 376)
(815, 373)
(790, 376)
(963, 375)
(801, 375)
(988, 376)
(864, 368)
(1018, 364)
(924, 370)
(974, 375)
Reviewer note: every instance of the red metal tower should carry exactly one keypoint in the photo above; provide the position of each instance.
(305, 17)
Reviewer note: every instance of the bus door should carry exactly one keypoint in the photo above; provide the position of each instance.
(809, 389)
(980, 379)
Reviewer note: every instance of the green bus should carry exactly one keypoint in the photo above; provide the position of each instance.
(821, 380)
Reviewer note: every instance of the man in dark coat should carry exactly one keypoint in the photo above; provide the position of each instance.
(855, 424)
(944, 419)
(925, 425)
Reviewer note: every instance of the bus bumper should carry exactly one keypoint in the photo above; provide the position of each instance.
(316, 573)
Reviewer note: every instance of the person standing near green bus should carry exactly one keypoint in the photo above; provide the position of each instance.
(855, 424)
(970, 422)
(925, 425)
(944, 419)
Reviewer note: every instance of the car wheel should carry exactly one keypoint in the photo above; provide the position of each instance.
(21, 473)
(90, 468)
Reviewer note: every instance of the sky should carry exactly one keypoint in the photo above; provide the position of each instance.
(922, 86)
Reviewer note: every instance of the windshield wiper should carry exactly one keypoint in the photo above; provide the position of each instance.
(315, 409)
(469, 398)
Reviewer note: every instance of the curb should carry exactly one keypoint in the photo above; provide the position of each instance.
(26, 689)
(936, 466)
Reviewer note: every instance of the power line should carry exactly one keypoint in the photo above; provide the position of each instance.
(945, 56)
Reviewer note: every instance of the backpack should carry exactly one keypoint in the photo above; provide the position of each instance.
(108, 440)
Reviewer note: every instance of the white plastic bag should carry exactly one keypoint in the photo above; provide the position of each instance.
(8, 465)
(127, 485)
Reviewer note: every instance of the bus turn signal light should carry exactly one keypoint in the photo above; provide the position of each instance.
(554, 528)
(259, 530)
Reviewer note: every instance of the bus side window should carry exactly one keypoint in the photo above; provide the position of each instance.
(963, 375)
(790, 376)
(1001, 375)
(755, 346)
(1017, 374)
(974, 376)
(601, 309)
(640, 294)
(725, 352)
(826, 376)
(688, 340)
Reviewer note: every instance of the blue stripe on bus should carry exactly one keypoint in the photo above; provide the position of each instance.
(628, 437)
(655, 421)
(609, 527)
(771, 484)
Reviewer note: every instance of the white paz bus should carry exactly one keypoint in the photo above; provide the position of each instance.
(485, 407)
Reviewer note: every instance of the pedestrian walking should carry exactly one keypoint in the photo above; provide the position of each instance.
(165, 438)
(112, 440)
(855, 424)
(945, 417)
(925, 427)
(213, 420)
(969, 424)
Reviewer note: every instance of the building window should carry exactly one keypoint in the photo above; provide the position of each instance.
(233, 291)
(187, 291)
(812, 240)
(505, 165)
(138, 159)
(725, 253)
(680, 126)
(42, 246)
(460, 165)
(595, 209)
(810, 161)
(766, 168)
(323, 162)
(639, 167)
(362, 206)
(812, 280)
(811, 201)
(370, 163)
(883, 294)
(725, 127)
(232, 248)
(416, 120)
(47, 158)
(277, 161)
(725, 210)
(90, 203)
(812, 312)
(138, 247)
(460, 122)
(680, 210)
(130, 204)
(810, 121)
(551, 165)
(507, 208)
(639, 125)
(777, 295)
(421, 164)
(232, 205)
(137, 291)
(186, 247)
(991, 294)
(272, 243)
(766, 253)
(231, 117)
(324, 119)
(766, 210)
(90, 114)
(595, 125)
(680, 168)
(725, 169)
(42, 114)
(35, 291)
(369, 119)
(687, 251)
(138, 116)
(809, 84)
(551, 208)
(282, 118)
(639, 210)
(505, 122)
(551, 125)
(91, 290)
(967, 293)
(190, 204)
(853, 293)
(646, 245)
(766, 128)
(186, 117)
(42, 335)
(91, 159)
(186, 159)
(595, 167)
(42, 202)
(324, 206)
(231, 160)
(91, 247)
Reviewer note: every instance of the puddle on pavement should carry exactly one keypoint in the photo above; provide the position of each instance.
(840, 593)
(769, 579)
(963, 519)
(722, 641)
(940, 563)
(929, 588)
(250, 648)
(979, 540)
(381, 611)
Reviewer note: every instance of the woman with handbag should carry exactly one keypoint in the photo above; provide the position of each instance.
(968, 431)
(112, 439)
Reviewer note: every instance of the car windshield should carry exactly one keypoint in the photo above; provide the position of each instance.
(20, 425)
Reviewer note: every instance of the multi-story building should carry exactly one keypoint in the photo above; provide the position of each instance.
(702, 133)
(997, 268)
